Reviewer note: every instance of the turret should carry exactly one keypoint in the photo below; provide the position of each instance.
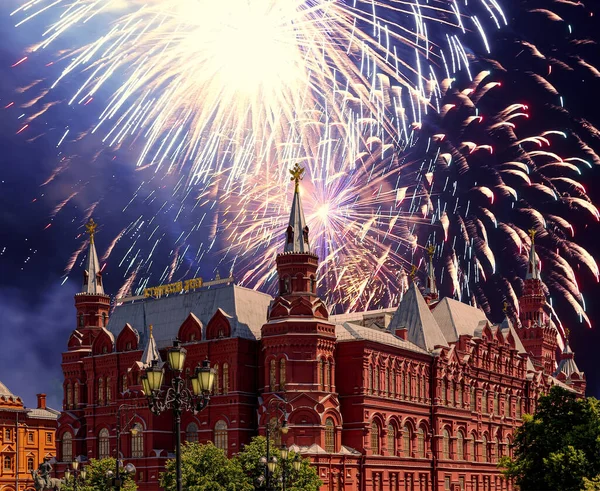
(567, 370)
(536, 329)
(92, 303)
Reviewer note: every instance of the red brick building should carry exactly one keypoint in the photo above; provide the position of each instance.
(424, 396)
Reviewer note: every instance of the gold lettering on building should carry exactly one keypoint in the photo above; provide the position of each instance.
(159, 291)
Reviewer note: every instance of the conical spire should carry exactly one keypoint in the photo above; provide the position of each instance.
(296, 235)
(533, 268)
(92, 277)
(431, 287)
(150, 351)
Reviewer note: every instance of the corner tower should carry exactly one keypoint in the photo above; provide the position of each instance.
(298, 341)
(536, 329)
(92, 303)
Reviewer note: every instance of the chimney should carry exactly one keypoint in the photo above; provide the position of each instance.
(41, 401)
(402, 333)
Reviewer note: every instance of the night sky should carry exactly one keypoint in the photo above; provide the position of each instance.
(36, 303)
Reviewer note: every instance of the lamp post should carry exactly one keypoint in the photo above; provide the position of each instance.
(115, 477)
(278, 405)
(177, 397)
(77, 473)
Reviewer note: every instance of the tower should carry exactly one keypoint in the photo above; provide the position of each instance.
(536, 330)
(298, 341)
(431, 294)
(92, 303)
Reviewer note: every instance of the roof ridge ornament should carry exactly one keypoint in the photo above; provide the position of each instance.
(90, 228)
(297, 173)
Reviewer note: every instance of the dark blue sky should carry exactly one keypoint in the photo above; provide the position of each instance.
(36, 309)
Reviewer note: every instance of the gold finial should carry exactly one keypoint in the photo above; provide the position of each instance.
(532, 234)
(505, 308)
(90, 228)
(150, 327)
(413, 272)
(567, 332)
(430, 250)
(297, 173)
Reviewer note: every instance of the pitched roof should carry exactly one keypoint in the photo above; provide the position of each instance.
(414, 315)
(456, 318)
(567, 363)
(47, 413)
(297, 242)
(4, 391)
(92, 268)
(351, 332)
(150, 351)
(247, 308)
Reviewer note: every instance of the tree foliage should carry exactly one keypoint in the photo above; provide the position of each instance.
(96, 480)
(207, 468)
(559, 446)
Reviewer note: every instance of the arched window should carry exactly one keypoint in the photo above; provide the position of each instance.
(386, 382)
(282, 374)
(103, 444)
(327, 375)
(391, 440)
(69, 397)
(221, 435)
(473, 400)
(452, 388)
(445, 444)
(393, 383)
(460, 395)
(376, 376)
(322, 373)
(124, 383)
(80, 319)
(409, 387)
(484, 402)
(402, 385)
(406, 439)
(370, 381)
(443, 391)
(225, 378)
(496, 451)
(460, 446)
(421, 443)
(108, 390)
(273, 376)
(137, 441)
(418, 387)
(375, 449)
(329, 435)
(518, 408)
(331, 374)
(472, 453)
(216, 384)
(67, 447)
(191, 433)
(507, 406)
(484, 449)
(496, 404)
(7, 462)
(100, 392)
(29, 464)
(76, 395)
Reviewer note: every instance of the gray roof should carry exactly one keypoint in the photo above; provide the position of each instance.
(4, 391)
(533, 267)
(247, 308)
(298, 223)
(47, 413)
(414, 315)
(567, 364)
(92, 267)
(456, 318)
(150, 353)
(353, 332)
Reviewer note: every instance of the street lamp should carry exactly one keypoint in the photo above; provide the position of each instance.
(278, 405)
(115, 477)
(177, 397)
(77, 474)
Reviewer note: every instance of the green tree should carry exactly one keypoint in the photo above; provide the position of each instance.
(205, 468)
(306, 479)
(559, 446)
(96, 480)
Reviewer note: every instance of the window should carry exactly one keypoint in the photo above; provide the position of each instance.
(445, 444)
(137, 441)
(484, 402)
(322, 374)
(75, 395)
(370, 381)
(273, 376)
(103, 444)
(460, 395)
(497, 452)
(507, 406)
(329, 436)
(80, 320)
(327, 374)
(375, 439)
(419, 387)
(221, 435)
(376, 376)
(484, 449)
(460, 446)
(391, 440)
(69, 397)
(402, 385)
(473, 400)
(393, 383)
(472, 454)
(8, 463)
(7, 434)
(282, 374)
(124, 383)
(452, 387)
(108, 390)
(496, 404)
(48, 437)
(104, 317)
(443, 392)
(30, 437)
(518, 407)
(225, 378)
(216, 385)
(29, 464)
(406, 438)
(67, 447)
(100, 391)
(409, 386)
(446, 483)
(421, 443)
(191, 433)
(386, 382)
